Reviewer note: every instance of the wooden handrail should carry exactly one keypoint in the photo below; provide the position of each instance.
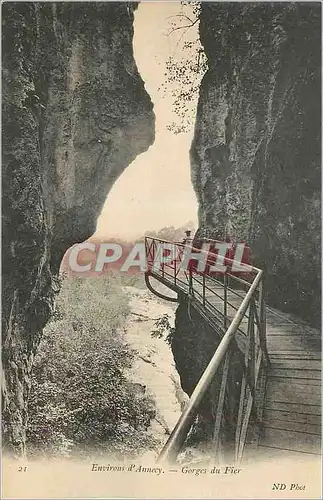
(190, 286)
(180, 431)
(200, 250)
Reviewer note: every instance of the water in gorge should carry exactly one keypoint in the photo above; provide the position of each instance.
(128, 124)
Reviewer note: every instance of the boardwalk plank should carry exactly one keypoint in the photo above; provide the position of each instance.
(285, 343)
(293, 407)
(270, 452)
(292, 440)
(313, 375)
(288, 425)
(293, 392)
(290, 380)
(302, 418)
(292, 356)
(298, 364)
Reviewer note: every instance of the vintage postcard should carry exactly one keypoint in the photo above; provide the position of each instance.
(161, 241)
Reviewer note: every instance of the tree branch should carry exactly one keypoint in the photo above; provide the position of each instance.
(181, 15)
(188, 26)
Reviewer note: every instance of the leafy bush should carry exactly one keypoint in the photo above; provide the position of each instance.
(163, 329)
(81, 403)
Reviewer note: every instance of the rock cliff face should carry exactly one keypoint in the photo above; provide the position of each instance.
(256, 152)
(255, 158)
(75, 115)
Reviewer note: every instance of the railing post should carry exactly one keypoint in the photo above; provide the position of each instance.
(252, 345)
(162, 250)
(175, 271)
(243, 389)
(220, 407)
(153, 251)
(190, 282)
(225, 299)
(262, 320)
(261, 309)
(249, 378)
(203, 289)
(179, 433)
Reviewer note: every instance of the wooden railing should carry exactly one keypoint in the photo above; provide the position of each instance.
(233, 304)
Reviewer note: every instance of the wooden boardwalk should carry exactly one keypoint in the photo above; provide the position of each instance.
(288, 399)
(292, 410)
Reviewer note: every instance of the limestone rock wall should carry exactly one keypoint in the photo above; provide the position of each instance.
(75, 115)
(255, 157)
(255, 162)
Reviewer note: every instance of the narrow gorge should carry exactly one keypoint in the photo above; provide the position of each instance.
(76, 114)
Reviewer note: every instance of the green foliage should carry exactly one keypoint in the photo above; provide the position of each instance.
(184, 72)
(184, 78)
(163, 329)
(81, 403)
